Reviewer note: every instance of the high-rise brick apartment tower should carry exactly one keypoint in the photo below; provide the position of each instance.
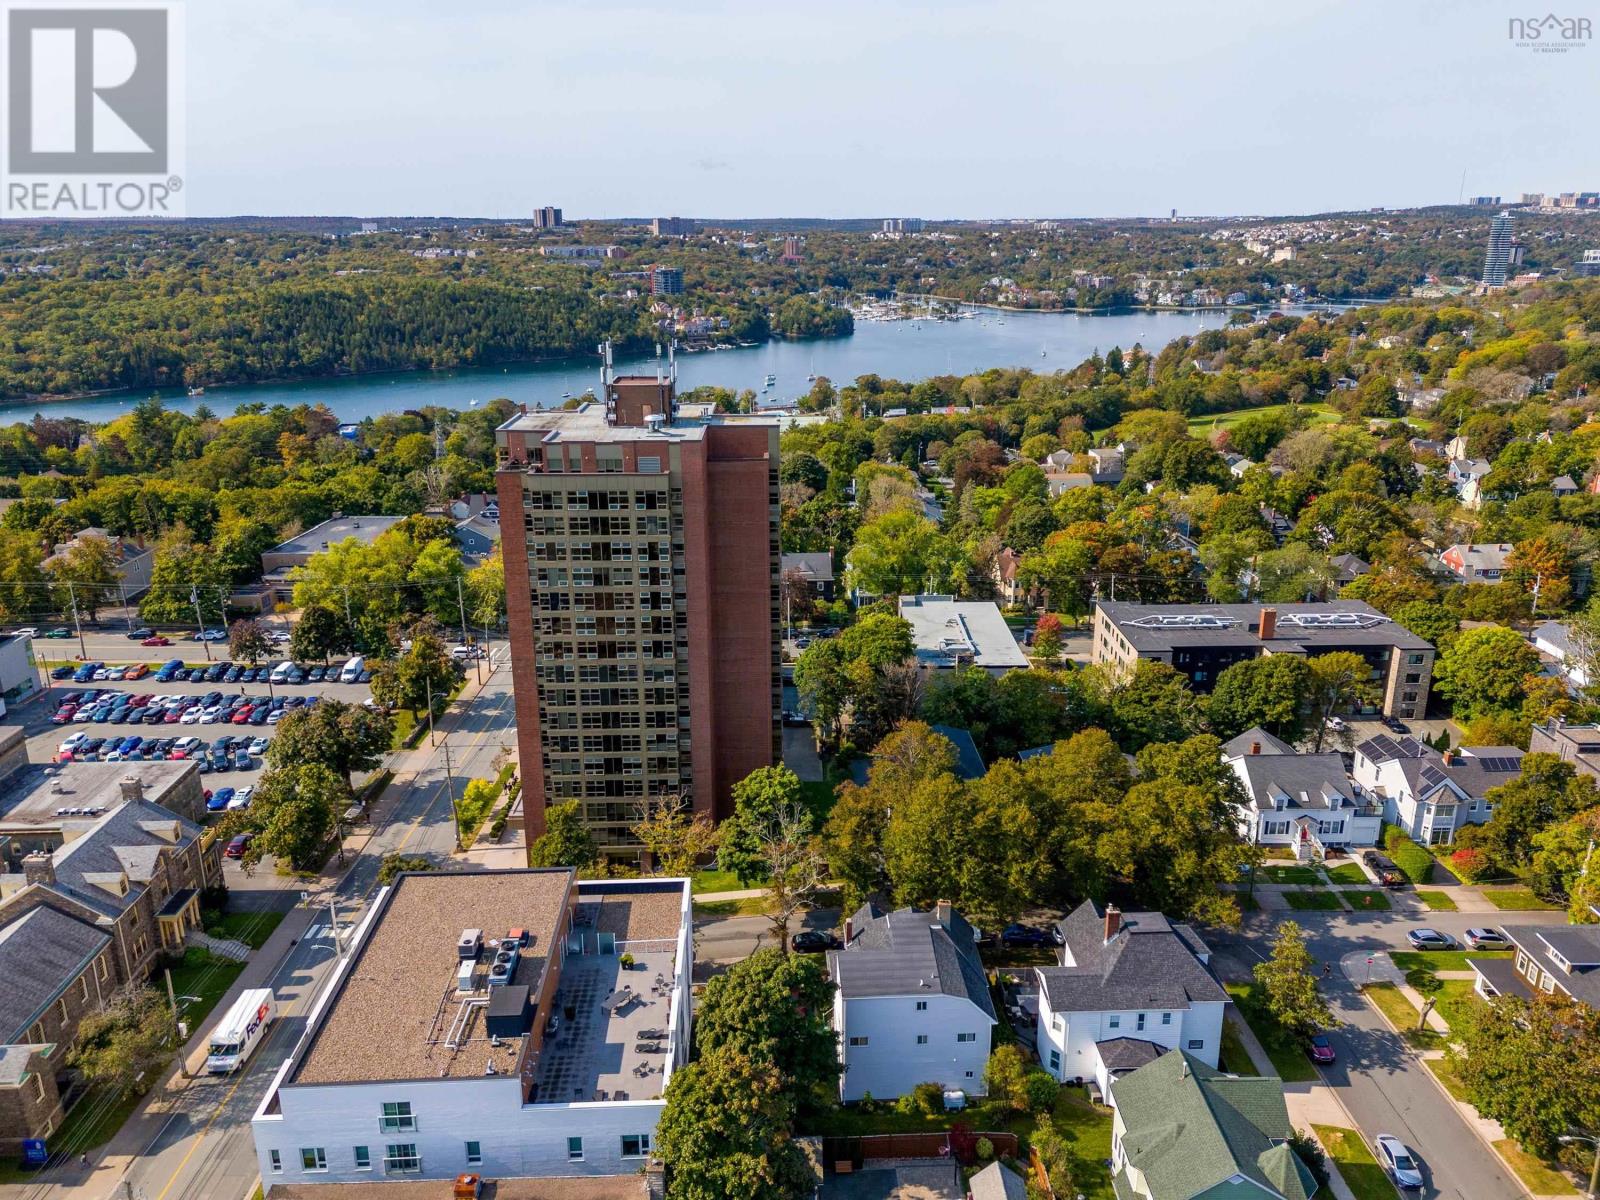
(640, 540)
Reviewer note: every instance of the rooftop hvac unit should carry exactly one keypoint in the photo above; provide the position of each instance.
(499, 974)
(470, 943)
(466, 976)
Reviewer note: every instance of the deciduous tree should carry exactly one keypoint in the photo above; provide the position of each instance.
(1289, 981)
(566, 840)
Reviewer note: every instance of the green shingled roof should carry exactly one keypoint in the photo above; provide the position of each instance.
(1190, 1128)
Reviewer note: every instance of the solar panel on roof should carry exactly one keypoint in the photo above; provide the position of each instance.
(1501, 764)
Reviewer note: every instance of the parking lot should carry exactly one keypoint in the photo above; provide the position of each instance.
(224, 727)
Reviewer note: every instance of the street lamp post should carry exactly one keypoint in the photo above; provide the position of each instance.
(1568, 1139)
(194, 597)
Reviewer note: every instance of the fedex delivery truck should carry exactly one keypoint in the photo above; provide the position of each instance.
(242, 1028)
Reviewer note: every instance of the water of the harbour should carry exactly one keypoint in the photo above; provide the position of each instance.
(906, 350)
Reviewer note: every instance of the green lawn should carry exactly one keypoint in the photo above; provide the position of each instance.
(1199, 426)
(1456, 1002)
(1452, 1082)
(1355, 1163)
(1537, 1177)
(1518, 899)
(713, 880)
(205, 977)
(1367, 899)
(1321, 899)
(1437, 901)
(1402, 1014)
(1295, 874)
(1441, 960)
(1235, 1058)
(1348, 873)
(751, 906)
(1283, 1048)
(251, 928)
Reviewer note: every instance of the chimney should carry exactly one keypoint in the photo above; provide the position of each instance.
(1269, 623)
(1113, 921)
(944, 912)
(39, 867)
(1255, 747)
(849, 930)
(1449, 757)
(132, 789)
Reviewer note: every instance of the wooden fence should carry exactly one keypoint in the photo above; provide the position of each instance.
(851, 1152)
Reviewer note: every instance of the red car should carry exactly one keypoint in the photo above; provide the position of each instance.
(243, 715)
(1320, 1049)
(63, 714)
(238, 846)
(158, 640)
(174, 715)
(142, 700)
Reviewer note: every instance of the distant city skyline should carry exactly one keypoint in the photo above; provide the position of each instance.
(1034, 108)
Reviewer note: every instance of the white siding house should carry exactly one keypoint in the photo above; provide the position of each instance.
(1130, 987)
(1430, 794)
(1306, 801)
(911, 1003)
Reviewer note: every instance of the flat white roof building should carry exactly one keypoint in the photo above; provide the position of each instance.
(483, 1021)
(950, 633)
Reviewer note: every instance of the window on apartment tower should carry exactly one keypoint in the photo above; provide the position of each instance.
(474, 1153)
(401, 1158)
(313, 1158)
(363, 1157)
(574, 1149)
(275, 1161)
(397, 1117)
(635, 1145)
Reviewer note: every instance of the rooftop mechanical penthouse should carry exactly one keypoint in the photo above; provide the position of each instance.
(484, 1021)
(642, 597)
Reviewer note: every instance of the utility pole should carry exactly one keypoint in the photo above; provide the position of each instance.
(172, 999)
(428, 687)
(194, 598)
(77, 624)
(450, 783)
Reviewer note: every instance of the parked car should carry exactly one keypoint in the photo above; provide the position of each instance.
(64, 714)
(258, 747)
(1481, 938)
(137, 671)
(1024, 935)
(238, 846)
(814, 941)
(1430, 939)
(219, 799)
(242, 760)
(791, 717)
(1398, 1162)
(61, 673)
(1395, 725)
(1320, 1049)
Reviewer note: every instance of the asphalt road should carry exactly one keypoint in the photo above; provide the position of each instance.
(1385, 1088)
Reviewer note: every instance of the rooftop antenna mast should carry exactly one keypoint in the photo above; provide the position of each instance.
(658, 363)
(606, 377)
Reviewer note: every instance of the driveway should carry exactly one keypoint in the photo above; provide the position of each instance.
(934, 1181)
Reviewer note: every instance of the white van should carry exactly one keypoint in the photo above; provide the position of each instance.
(280, 673)
(352, 670)
(240, 1031)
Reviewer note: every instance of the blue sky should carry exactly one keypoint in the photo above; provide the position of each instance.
(872, 107)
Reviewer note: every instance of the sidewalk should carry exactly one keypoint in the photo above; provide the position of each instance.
(1313, 1103)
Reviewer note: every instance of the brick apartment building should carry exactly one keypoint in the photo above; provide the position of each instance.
(1203, 640)
(643, 602)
